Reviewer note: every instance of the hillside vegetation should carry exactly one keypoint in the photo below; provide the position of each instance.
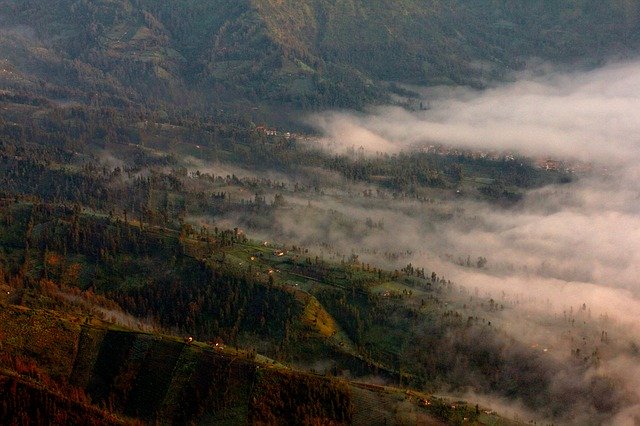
(112, 220)
(65, 355)
(304, 53)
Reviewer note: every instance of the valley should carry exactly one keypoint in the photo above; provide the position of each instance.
(319, 212)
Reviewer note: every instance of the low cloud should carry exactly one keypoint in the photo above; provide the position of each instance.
(564, 261)
(589, 116)
(565, 252)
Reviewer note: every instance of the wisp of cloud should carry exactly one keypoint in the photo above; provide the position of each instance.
(589, 116)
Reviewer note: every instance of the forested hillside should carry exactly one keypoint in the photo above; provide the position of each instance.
(176, 246)
(117, 218)
(307, 53)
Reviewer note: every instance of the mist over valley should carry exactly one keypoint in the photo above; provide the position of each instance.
(313, 212)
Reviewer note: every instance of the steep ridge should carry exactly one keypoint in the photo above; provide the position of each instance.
(124, 377)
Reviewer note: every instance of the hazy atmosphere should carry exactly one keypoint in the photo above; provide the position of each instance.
(310, 212)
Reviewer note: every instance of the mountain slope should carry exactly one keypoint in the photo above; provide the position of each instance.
(115, 376)
(307, 53)
(426, 40)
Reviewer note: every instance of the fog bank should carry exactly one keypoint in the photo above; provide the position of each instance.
(589, 116)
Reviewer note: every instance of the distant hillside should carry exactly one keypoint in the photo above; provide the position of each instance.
(305, 53)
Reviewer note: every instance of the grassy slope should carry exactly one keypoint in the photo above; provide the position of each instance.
(150, 376)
